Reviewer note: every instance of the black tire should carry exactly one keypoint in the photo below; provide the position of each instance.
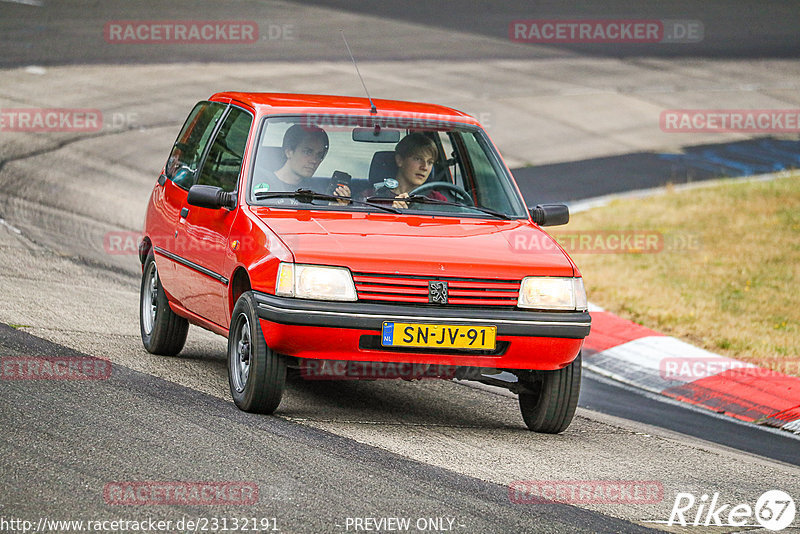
(256, 374)
(550, 403)
(163, 331)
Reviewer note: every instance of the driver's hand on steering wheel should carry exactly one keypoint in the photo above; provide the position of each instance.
(400, 204)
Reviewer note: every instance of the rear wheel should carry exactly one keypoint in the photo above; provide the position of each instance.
(549, 399)
(256, 373)
(163, 331)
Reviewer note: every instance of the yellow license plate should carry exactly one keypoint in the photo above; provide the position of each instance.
(443, 336)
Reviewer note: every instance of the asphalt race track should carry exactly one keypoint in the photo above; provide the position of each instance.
(573, 121)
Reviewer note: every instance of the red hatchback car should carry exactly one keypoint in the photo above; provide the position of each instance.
(337, 237)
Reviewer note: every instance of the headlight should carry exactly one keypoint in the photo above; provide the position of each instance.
(552, 293)
(315, 282)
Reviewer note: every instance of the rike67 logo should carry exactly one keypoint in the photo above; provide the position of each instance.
(774, 510)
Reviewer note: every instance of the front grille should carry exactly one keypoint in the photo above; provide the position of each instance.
(409, 289)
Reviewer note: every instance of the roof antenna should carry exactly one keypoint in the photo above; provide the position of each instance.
(372, 108)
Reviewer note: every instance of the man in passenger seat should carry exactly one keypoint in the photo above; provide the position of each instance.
(304, 148)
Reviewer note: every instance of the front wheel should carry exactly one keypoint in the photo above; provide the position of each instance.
(163, 331)
(549, 399)
(256, 373)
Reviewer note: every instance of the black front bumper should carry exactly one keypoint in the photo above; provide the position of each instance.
(371, 316)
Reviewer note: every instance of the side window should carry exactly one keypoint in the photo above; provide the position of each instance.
(188, 149)
(491, 191)
(224, 161)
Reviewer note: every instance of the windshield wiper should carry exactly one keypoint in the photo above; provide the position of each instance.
(307, 196)
(427, 200)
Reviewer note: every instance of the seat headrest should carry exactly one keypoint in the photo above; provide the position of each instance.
(382, 167)
(270, 158)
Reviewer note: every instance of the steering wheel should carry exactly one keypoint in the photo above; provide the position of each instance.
(458, 191)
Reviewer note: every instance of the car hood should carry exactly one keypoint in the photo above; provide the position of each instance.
(428, 246)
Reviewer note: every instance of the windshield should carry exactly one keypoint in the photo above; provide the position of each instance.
(431, 168)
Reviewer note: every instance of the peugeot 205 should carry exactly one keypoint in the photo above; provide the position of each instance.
(325, 234)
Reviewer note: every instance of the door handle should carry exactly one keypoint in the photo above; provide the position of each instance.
(184, 213)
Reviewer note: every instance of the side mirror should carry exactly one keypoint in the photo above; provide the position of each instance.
(209, 196)
(550, 214)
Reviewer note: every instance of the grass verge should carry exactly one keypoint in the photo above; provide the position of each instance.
(716, 266)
